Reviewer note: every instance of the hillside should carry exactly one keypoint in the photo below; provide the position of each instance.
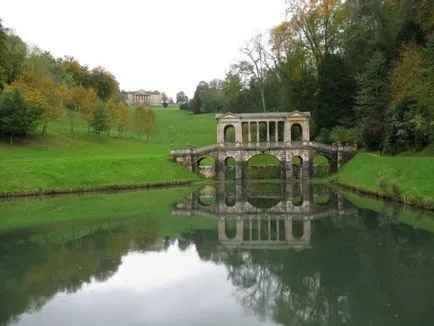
(58, 161)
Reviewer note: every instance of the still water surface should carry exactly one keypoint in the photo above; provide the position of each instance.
(261, 254)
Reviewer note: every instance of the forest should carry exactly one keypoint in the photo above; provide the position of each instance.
(364, 69)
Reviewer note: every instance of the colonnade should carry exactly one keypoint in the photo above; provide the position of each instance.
(141, 98)
(250, 125)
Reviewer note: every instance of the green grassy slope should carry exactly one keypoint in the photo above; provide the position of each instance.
(58, 161)
(414, 174)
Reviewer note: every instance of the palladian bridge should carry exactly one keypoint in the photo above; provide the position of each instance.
(255, 218)
(284, 135)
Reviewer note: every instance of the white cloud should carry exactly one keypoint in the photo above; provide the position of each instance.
(168, 45)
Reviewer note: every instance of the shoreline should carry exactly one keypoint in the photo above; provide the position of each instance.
(94, 189)
(427, 204)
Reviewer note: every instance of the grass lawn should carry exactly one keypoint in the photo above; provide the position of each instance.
(415, 174)
(58, 161)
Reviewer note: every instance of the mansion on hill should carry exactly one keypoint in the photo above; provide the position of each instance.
(144, 97)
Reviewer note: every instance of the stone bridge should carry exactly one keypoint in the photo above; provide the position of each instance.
(285, 136)
(263, 228)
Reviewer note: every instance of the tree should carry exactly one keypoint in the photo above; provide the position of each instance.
(144, 121)
(118, 115)
(257, 54)
(17, 117)
(104, 83)
(195, 103)
(181, 98)
(101, 120)
(335, 94)
(80, 101)
(41, 91)
(16, 51)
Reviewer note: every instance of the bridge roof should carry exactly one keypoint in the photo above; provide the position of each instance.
(267, 115)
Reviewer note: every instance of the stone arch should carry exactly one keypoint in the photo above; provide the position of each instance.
(297, 166)
(297, 131)
(263, 166)
(206, 201)
(229, 133)
(206, 166)
(321, 165)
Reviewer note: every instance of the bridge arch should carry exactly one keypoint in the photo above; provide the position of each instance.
(206, 166)
(296, 132)
(297, 167)
(321, 164)
(263, 166)
(229, 133)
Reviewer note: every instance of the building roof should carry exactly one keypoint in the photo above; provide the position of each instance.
(266, 115)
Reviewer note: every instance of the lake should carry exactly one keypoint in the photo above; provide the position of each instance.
(220, 254)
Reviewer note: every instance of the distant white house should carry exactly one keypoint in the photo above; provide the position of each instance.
(144, 97)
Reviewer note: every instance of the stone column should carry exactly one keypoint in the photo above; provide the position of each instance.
(239, 170)
(220, 169)
(288, 229)
(259, 229)
(238, 133)
(306, 169)
(277, 229)
(268, 131)
(240, 229)
(249, 131)
(306, 131)
(220, 133)
(222, 229)
(276, 131)
(287, 132)
(306, 230)
(257, 132)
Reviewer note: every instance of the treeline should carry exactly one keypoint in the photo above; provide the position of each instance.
(37, 88)
(364, 69)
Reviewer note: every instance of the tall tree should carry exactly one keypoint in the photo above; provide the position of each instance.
(256, 51)
(181, 98)
(17, 117)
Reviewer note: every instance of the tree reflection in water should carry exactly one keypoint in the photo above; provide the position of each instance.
(356, 267)
(362, 268)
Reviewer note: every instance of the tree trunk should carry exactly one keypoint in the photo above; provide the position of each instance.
(11, 138)
(263, 98)
(44, 129)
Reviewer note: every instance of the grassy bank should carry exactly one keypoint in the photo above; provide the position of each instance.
(409, 179)
(57, 161)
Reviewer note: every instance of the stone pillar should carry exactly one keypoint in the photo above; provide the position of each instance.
(258, 223)
(306, 230)
(239, 170)
(220, 133)
(277, 229)
(306, 131)
(287, 132)
(238, 133)
(276, 132)
(340, 160)
(288, 171)
(220, 169)
(268, 131)
(240, 229)
(306, 169)
(288, 230)
(222, 229)
(257, 132)
(249, 132)
(269, 227)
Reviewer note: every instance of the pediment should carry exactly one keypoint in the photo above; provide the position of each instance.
(228, 115)
(296, 114)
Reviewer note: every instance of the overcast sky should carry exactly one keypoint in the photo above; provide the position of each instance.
(169, 45)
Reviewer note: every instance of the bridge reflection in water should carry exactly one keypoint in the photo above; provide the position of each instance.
(265, 216)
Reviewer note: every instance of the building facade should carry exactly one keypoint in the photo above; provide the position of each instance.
(144, 97)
